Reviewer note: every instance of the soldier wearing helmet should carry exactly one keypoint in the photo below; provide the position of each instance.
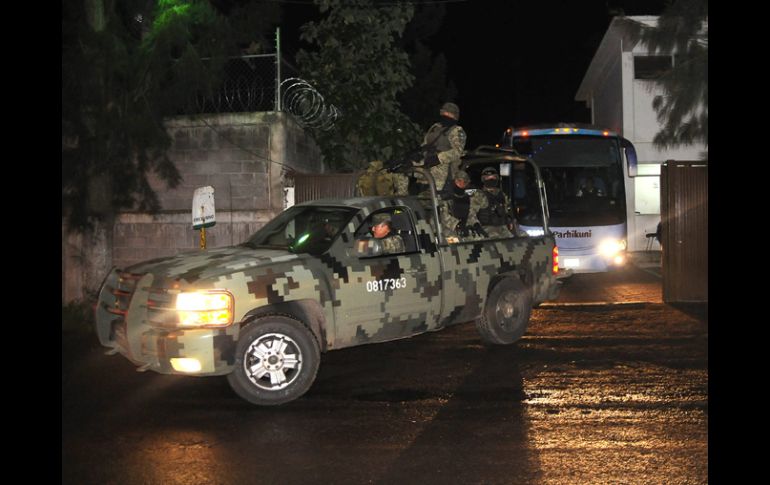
(446, 142)
(382, 229)
(457, 218)
(492, 206)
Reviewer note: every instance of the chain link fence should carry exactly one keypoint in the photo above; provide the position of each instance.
(248, 84)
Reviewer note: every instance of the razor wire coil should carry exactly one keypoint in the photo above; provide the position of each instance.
(250, 83)
(307, 105)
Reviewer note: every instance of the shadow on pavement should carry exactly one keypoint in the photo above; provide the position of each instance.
(481, 431)
(699, 311)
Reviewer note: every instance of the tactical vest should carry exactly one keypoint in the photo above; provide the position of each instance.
(460, 206)
(442, 140)
(375, 181)
(494, 213)
(438, 139)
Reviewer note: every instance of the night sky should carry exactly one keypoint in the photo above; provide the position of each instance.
(513, 62)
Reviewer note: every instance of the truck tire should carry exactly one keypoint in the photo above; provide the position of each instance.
(276, 360)
(506, 313)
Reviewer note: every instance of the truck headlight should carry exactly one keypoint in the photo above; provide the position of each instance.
(205, 308)
(610, 248)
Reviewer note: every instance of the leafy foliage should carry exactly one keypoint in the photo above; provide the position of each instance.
(359, 68)
(431, 88)
(683, 109)
(125, 66)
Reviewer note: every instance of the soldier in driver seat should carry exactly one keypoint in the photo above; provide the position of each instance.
(392, 243)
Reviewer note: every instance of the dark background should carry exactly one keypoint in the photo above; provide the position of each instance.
(513, 62)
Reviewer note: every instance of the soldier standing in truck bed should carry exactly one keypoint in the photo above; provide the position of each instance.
(445, 145)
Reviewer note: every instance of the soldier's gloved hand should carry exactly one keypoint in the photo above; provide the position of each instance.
(431, 160)
(393, 165)
(479, 231)
(461, 230)
(415, 157)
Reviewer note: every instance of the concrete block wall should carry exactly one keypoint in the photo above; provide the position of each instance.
(232, 153)
(244, 156)
(139, 237)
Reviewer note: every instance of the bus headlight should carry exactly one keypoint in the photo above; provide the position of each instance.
(213, 308)
(610, 248)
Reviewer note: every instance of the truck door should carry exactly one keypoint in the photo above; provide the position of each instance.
(391, 295)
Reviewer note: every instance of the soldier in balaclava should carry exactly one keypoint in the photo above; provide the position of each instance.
(492, 206)
(458, 220)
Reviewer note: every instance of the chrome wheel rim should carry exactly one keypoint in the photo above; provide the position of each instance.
(507, 309)
(273, 361)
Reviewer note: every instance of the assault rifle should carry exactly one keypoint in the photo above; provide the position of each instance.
(407, 159)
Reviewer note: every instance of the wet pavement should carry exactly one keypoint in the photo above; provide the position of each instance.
(608, 385)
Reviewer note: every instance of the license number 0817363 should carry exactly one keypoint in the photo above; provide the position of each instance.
(386, 284)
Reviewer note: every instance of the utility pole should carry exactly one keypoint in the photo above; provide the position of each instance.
(278, 69)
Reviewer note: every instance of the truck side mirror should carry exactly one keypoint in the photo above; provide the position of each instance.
(631, 161)
(368, 247)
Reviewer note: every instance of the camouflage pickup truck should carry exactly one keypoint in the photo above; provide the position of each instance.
(313, 280)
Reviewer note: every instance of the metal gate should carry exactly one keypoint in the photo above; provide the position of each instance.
(684, 238)
(320, 186)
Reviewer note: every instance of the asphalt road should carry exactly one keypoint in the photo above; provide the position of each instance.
(609, 385)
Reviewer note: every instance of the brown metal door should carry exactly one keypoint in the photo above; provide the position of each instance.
(684, 217)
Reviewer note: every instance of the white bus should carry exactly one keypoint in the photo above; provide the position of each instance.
(582, 168)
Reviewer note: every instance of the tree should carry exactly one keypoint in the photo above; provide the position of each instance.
(683, 108)
(431, 87)
(126, 65)
(357, 66)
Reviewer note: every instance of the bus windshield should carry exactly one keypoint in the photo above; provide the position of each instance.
(583, 177)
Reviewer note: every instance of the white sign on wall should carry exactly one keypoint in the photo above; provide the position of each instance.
(203, 207)
(288, 197)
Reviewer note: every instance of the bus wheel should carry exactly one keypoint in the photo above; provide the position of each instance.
(506, 314)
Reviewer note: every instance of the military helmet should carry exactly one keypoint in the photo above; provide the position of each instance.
(462, 175)
(451, 108)
(489, 171)
(380, 218)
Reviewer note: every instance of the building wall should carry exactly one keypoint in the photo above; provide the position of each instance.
(622, 103)
(607, 102)
(244, 156)
(640, 124)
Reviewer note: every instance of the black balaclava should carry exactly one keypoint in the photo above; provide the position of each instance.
(447, 121)
(491, 183)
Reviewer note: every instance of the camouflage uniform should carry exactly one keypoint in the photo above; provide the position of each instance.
(401, 184)
(453, 216)
(393, 244)
(480, 202)
(450, 147)
(376, 181)
(447, 139)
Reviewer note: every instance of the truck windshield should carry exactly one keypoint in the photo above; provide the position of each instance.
(302, 229)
